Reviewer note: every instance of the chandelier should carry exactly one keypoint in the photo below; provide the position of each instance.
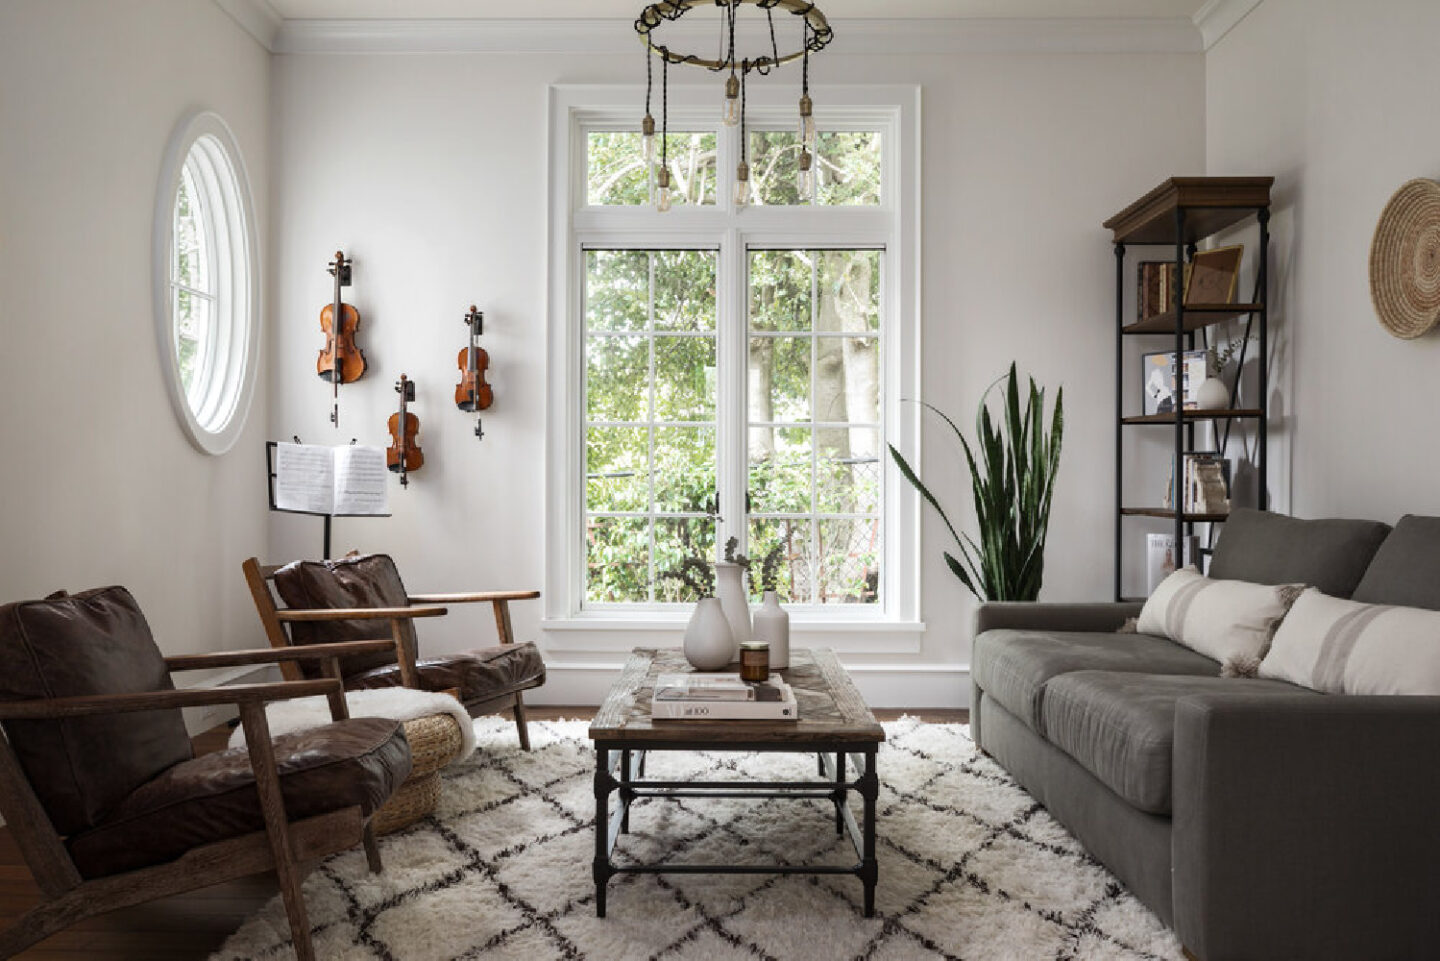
(815, 35)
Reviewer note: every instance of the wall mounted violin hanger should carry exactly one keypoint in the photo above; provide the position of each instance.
(473, 393)
(340, 360)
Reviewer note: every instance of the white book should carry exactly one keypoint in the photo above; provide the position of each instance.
(703, 687)
(349, 479)
(783, 709)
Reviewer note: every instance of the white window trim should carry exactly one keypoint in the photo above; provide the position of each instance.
(227, 396)
(575, 109)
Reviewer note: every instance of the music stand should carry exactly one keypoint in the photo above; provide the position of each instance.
(270, 486)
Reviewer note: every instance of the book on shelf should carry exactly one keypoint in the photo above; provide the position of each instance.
(722, 697)
(1156, 287)
(1206, 487)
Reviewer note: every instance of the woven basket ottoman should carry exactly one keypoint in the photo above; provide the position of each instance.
(435, 741)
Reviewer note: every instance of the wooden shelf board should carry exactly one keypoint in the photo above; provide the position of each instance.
(1169, 418)
(1170, 515)
(1210, 203)
(1194, 317)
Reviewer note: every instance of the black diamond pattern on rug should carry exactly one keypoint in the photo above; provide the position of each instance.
(970, 868)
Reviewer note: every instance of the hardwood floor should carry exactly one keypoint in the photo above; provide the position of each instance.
(190, 926)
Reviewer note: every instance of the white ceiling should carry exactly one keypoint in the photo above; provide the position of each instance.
(835, 9)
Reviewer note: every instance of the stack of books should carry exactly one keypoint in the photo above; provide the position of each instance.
(722, 697)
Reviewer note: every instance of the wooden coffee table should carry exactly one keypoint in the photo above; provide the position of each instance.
(834, 724)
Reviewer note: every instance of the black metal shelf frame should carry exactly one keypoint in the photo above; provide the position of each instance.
(1184, 339)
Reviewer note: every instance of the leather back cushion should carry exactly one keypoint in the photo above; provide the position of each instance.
(365, 580)
(1406, 569)
(95, 642)
(1266, 548)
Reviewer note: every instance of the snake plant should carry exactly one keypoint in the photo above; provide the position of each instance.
(1012, 482)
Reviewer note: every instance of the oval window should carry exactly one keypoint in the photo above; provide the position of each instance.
(206, 282)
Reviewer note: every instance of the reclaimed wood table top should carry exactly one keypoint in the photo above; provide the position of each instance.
(830, 707)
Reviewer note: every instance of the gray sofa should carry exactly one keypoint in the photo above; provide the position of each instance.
(1260, 820)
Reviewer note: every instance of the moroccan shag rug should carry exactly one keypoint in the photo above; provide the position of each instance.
(970, 867)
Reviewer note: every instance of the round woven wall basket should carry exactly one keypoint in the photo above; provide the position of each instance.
(1405, 260)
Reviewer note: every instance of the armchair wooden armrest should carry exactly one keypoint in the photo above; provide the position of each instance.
(499, 600)
(270, 655)
(358, 613)
(468, 597)
(240, 694)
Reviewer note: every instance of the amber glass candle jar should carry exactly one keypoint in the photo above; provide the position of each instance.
(755, 661)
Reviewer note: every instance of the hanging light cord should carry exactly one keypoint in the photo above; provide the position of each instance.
(649, 73)
(664, 114)
(744, 157)
(805, 29)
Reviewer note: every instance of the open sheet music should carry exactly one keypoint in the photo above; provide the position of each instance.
(350, 479)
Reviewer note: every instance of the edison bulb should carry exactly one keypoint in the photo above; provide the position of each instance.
(742, 184)
(805, 181)
(731, 112)
(647, 139)
(662, 188)
(807, 124)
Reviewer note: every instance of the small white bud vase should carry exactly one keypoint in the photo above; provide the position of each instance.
(730, 589)
(709, 645)
(772, 625)
(1212, 394)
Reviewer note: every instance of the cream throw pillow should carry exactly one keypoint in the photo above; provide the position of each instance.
(1230, 621)
(1345, 647)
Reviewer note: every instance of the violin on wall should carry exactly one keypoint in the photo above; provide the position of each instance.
(473, 393)
(340, 361)
(404, 454)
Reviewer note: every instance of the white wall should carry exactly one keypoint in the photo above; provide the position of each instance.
(100, 485)
(1336, 98)
(431, 169)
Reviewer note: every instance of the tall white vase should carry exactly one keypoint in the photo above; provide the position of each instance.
(772, 625)
(730, 588)
(709, 645)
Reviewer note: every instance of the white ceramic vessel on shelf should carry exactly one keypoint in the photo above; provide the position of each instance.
(772, 625)
(1212, 394)
(709, 643)
(730, 589)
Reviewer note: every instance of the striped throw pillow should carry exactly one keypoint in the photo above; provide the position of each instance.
(1230, 621)
(1345, 647)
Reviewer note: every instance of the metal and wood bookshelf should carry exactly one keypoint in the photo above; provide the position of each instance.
(1180, 213)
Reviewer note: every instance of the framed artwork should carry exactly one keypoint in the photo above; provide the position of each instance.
(1158, 380)
(1214, 275)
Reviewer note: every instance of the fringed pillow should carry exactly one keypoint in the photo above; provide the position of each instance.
(1229, 621)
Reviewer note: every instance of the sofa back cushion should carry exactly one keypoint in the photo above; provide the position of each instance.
(361, 580)
(72, 645)
(1406, 569)
(1346, 647)
(1266, 548)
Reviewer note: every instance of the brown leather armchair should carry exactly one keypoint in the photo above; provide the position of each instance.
(111, 814)
(362, 596)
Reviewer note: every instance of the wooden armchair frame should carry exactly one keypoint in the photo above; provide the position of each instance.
(282, 846)
(260, 576)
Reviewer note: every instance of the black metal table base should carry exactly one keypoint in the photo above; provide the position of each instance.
(615, 773)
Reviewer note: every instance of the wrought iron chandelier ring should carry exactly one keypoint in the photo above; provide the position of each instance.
(817, 36)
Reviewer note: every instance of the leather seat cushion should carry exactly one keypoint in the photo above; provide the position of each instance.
(1120, 726)
(479, 675)
(73, 645)
(1014, 666)
(213, 797)
(364, 580)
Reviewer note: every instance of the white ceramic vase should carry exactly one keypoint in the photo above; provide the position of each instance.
(730, 589)
(772, 625)
(1212, 394)
(709, 644)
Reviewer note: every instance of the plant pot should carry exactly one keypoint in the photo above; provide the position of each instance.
(730, 589)
(772, 625)
(709, 643)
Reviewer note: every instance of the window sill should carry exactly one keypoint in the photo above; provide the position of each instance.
(616, 633)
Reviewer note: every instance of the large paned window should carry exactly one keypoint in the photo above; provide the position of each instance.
(731, 372)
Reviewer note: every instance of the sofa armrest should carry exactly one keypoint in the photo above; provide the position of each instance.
(1305, 826)
(1032, 616)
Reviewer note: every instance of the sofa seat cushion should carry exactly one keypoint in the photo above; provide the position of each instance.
(1014, 666)
(1121, 726)
(213, 797)
(478, 675)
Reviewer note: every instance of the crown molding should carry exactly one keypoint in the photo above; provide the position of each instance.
(1216, 17)
(257, 18)
(853, 37)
